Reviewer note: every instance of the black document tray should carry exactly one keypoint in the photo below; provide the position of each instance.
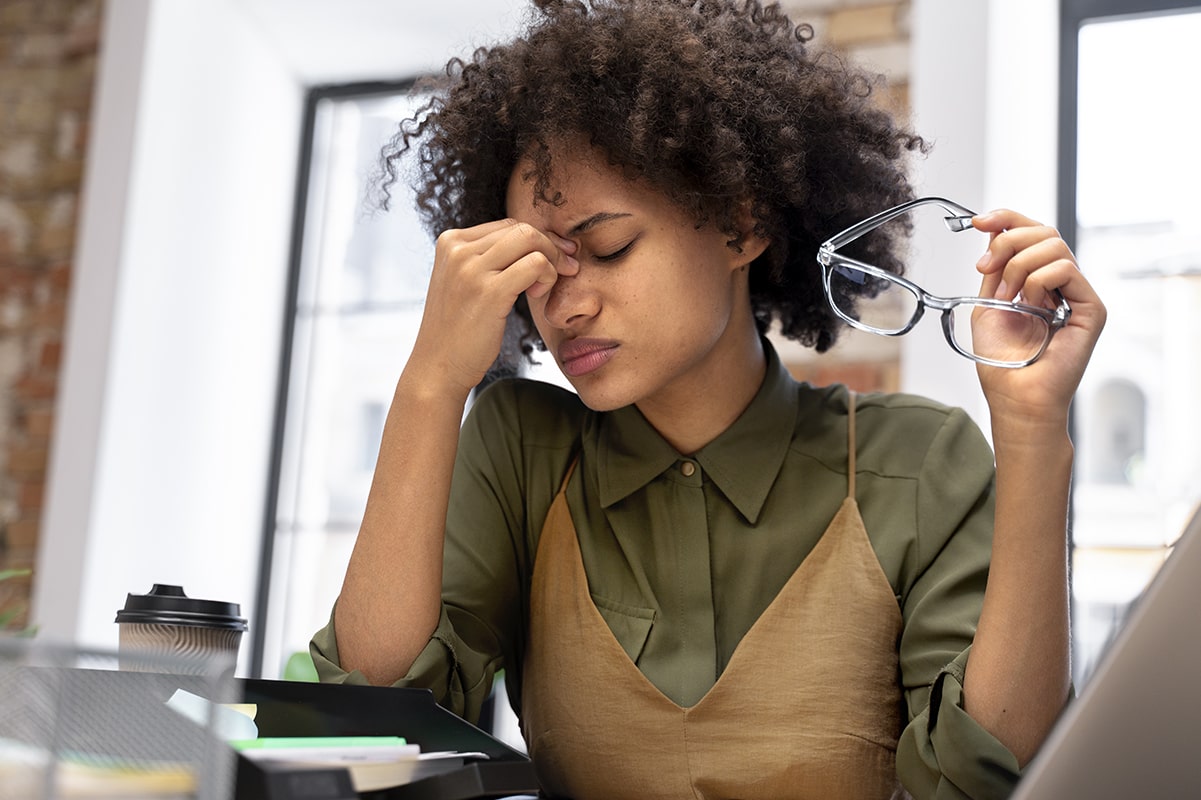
(289, 708)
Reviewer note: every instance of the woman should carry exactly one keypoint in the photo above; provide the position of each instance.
(700, 576)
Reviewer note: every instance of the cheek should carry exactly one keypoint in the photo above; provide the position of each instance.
(537, 311)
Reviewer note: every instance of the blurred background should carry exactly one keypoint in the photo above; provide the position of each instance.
(201, 322)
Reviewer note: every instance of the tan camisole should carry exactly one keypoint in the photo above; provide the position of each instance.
(809, 705)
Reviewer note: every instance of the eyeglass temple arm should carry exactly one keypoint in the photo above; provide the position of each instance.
(960, 219)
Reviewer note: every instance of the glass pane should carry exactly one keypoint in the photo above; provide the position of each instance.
(363, 275)
(1139, 436)
(1003, 335)
(885, 305)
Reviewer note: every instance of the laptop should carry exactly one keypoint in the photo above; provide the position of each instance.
(1135, 729)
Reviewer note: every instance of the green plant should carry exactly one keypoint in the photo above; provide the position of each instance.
(7, 615)
(300, 667)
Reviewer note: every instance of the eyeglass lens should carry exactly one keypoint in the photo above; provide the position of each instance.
(1003, 335)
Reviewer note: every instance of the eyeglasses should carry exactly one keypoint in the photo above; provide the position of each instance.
(1001, 333)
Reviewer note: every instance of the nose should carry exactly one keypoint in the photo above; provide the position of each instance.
(571, 301)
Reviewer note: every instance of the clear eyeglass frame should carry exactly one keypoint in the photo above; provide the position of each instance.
(958, 219)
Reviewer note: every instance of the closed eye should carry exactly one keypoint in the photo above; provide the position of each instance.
(616, 254)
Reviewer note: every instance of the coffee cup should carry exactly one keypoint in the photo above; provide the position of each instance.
(167, 631)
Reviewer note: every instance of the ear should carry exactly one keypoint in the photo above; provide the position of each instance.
(748, 246)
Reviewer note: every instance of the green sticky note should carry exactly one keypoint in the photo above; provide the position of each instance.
(332, 742)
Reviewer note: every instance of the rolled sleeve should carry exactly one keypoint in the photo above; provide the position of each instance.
(460, 678)
(945, 754)
(430, 670)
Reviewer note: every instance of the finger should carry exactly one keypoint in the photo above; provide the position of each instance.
(1029, 261)
(1002, 219)
(479, 234)
(566, 245)
(1039, 288)
(1002, 247)
(532, 274)
(567, 265)
(500, 246)
(558, 250)
(990, 284)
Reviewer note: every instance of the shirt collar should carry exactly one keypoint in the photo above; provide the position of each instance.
(743, 461)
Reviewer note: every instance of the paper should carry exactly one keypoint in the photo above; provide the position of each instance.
(374, 762)
(370, 776)
(226, 722)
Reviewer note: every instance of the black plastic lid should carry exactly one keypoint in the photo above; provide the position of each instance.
(168, 605)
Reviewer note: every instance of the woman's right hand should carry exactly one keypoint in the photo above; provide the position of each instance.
(478, 275)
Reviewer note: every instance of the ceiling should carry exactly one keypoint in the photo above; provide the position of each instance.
(339, 41)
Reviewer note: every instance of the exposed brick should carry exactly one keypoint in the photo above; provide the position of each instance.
(27, 460)
(19, 158)
(30, 495)
(48, 58)
(15, 280)
(51, 355)
(83, 39)
(35, 387)
(40, 48)
(22, 534)
(61, 175)
(39, 423)
(56, 227)
(58, 277)
(51, 315)
(894, 98)
(19, 608)
(17, 15)
(22, 558)
(15, 229)
(876, 23)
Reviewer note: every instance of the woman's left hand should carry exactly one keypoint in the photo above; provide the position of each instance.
(1030, 261)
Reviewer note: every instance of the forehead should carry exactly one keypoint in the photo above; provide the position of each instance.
(585, 183)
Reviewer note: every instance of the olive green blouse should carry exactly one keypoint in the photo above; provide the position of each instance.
(683, 553)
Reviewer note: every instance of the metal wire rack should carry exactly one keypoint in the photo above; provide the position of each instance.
(74, 725)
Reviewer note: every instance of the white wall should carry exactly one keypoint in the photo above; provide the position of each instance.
(159, 467)
(984, 91)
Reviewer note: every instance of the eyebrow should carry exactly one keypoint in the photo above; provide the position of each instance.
(593, 221)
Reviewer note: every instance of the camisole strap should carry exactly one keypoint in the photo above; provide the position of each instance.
(850, 444)
(570, 469)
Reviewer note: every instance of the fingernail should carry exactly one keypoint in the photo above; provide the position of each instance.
(566, 245)
(1002, 291)
(982, 264)
(571, 262)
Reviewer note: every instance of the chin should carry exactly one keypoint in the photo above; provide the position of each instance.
(599, 399)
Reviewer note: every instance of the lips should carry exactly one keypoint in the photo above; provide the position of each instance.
(581, 356)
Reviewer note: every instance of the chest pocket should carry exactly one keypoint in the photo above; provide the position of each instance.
(630, 625)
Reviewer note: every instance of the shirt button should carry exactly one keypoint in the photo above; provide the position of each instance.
(688, 468)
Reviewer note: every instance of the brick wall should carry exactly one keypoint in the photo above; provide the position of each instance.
(48, 51)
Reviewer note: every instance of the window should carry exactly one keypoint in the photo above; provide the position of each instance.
(1130, 172)
(359, 280)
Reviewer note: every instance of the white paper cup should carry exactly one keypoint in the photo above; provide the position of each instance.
(168, 627)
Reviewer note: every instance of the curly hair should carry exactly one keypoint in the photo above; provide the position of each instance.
(719, 104)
